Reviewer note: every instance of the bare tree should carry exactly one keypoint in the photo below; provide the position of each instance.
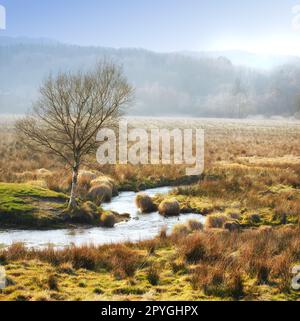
(71, 109)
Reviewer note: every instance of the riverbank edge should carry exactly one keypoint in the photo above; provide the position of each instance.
(119, 217)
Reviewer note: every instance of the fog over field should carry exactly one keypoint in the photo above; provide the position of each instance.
(232, 84)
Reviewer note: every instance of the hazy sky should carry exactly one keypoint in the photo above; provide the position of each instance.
(264, 26)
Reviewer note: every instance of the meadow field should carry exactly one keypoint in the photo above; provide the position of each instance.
(246, 248)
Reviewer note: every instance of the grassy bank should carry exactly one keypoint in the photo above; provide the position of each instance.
(24, 205)
(136, 184)
(31, 207)
(248, 191)
(191, 264)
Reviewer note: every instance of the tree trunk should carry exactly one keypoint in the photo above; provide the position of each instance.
(73, 202)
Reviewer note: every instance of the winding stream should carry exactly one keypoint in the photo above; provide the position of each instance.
(139, 227)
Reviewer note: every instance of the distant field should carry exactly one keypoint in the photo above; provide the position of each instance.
(211, 122)
(225, 140)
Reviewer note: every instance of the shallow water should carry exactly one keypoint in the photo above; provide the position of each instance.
(139, 227)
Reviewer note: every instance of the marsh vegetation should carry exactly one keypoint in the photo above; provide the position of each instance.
(244, 250)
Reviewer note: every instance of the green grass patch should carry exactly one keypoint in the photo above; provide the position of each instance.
(29, 206)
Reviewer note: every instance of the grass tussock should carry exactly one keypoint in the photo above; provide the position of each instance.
(120, 259)
(145, 203)
(216, 220)
(264, 256)
(169, 207)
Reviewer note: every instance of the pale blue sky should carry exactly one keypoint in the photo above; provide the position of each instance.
(160, 25)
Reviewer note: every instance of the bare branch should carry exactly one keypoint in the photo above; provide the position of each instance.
(72, 108)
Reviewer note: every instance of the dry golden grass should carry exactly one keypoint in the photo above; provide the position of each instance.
(262, 256)
(248, 265)
(120, 259)
(252, 175)
(145, 203)
(241, 187)
(169, 207)
(261, 144)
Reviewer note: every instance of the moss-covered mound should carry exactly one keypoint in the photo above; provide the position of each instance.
(24, 205)
(30, 207)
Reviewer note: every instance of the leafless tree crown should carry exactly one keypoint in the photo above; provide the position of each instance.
(71, 110)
